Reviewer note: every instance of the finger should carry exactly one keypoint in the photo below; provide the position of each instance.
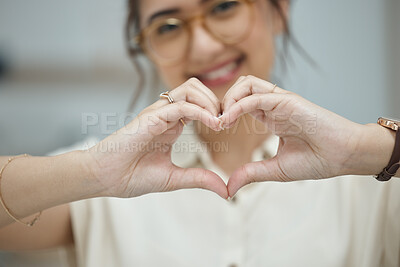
(188, 111)
(193, 96)
(249, 104)
(247, 86)
(164, 118)
(197, 178)
(267, 170)
(193, 91)
(197, 85)
(237, 81)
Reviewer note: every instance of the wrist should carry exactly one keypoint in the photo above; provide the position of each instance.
(88, 174)
(44, 182)
(375, 149)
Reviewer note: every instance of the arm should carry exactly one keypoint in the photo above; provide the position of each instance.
(374, 150)
(53, 230)
(32, 184)
(121, 165)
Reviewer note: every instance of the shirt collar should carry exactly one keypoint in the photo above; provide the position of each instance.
(189, 151)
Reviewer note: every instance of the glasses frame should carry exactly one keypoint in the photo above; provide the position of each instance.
(140, 39)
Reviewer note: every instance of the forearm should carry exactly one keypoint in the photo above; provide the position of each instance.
(32, 184)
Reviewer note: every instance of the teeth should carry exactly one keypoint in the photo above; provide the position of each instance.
(219, 72)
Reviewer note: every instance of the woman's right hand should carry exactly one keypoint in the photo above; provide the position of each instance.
(136, 159)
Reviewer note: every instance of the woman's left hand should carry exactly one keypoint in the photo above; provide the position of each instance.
(314, 142)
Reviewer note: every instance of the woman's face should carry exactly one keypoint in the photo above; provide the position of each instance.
(214, 63)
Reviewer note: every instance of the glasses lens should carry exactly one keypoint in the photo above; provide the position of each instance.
(168, 39)
(229, 20)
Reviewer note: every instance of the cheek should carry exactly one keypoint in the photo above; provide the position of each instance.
(260, 46)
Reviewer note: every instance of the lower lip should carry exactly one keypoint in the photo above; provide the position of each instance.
(226, 79)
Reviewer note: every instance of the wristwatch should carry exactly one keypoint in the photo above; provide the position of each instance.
(394, 164)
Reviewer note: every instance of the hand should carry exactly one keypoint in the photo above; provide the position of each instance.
(314, 142)
(136, 160)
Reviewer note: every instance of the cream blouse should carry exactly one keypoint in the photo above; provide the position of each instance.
(347, 221)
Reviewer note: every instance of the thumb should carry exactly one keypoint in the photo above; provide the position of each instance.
(266, 170)
(198, 178)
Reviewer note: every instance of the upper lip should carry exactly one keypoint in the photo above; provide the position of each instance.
(217, 66)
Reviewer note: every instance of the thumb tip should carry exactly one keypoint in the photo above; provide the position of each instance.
(231, 192)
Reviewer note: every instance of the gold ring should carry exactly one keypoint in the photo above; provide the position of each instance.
(273, 88)
(170, 100)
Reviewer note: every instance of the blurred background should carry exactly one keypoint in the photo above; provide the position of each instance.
(65, 75)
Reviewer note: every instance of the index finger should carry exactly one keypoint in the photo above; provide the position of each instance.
(264, 102)
(247, 86)
(167, 116)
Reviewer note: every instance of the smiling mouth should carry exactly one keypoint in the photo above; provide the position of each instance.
(221, 75)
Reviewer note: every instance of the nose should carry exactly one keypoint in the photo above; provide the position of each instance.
(204, 46)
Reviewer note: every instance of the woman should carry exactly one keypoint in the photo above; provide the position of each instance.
(296, 224)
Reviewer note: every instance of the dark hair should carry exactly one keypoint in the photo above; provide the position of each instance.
(132, 27)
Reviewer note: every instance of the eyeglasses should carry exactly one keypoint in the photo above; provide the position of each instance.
(167, 41)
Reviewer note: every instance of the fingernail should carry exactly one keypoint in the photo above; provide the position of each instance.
(221, 126)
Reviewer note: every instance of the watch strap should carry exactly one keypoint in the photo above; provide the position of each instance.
(390, 170)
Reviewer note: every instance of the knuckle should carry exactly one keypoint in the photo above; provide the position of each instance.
(191, 85)
(169, 184)
(241, 108)
(290, 93)
(259, 103)
(181, 106)
(200, 180)
(193, 82)
(293, 97)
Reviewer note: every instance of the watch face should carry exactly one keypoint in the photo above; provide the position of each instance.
(393, 124)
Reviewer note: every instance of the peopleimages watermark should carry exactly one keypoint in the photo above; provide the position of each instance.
(105, 122)
(178, 147)
(279, 124)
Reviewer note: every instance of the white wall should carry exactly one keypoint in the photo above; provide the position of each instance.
(348, 41)
(393, 56)
(73, 32)
(68, 58)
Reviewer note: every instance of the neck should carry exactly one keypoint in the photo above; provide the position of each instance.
(236, 143)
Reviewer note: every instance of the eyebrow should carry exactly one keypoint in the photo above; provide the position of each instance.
(162, 13)
(167, 12)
